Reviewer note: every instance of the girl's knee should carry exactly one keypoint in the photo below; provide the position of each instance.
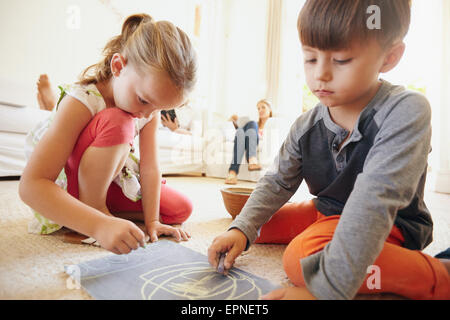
(177, 215)
(113, 126)
(184, 212)
(114, 115)
(175, 207)
(183, 208)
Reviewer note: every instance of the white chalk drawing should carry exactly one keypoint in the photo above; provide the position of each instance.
(196, 280)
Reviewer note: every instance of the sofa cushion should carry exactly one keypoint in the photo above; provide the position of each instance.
(20, 120)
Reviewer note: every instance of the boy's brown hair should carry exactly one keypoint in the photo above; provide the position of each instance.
(334, 24)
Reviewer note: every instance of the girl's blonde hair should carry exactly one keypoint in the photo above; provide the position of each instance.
(147, 43)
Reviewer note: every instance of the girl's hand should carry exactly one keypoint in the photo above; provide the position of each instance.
(156, 228)
(119, 236)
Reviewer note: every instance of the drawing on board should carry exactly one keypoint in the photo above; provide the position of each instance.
(166, 270)
(197, 280)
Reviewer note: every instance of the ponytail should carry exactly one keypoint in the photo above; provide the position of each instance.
(148, 44)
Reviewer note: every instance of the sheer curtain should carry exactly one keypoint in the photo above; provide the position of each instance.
(441, 101)
(291, 75)
(425, 68)
(273, 50)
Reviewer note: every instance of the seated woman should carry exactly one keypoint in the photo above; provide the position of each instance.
(247, 139)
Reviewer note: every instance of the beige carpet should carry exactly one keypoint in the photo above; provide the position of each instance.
(32, 266)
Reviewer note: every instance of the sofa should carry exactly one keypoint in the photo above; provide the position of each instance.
(182, 153)
(15, 123)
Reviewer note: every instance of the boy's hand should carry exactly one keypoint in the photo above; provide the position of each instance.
(119, 236)
(156, 228)
(232, 242)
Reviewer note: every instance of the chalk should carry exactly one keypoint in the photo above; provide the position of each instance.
(146, 240)
(220, 266)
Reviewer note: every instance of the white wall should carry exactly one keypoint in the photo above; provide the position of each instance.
(244, 57)
(47, 36)
(291, 65)
(42, 36)
(441, 103)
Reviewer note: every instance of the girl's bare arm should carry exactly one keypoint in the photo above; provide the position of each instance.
(151, 184)
(38, 190)
(37, 187)
(150, 175)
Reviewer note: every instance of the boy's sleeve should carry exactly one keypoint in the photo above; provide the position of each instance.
(388, 182)
(274, 189)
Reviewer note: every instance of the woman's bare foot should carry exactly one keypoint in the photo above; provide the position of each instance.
(45, 96)
(232, 178)
(253, 164)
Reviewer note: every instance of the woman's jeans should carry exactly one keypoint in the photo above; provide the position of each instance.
(245, 140)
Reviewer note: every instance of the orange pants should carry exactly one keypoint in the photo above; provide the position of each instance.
(409, 273)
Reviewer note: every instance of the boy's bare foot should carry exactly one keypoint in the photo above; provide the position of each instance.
(45, 96)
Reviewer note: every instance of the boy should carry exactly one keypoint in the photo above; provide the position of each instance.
(363, 153)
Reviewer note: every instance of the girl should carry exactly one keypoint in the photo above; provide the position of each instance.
(247, 139)
(150, 67)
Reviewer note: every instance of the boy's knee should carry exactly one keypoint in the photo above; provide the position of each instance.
(291, 261)
(304, 245)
